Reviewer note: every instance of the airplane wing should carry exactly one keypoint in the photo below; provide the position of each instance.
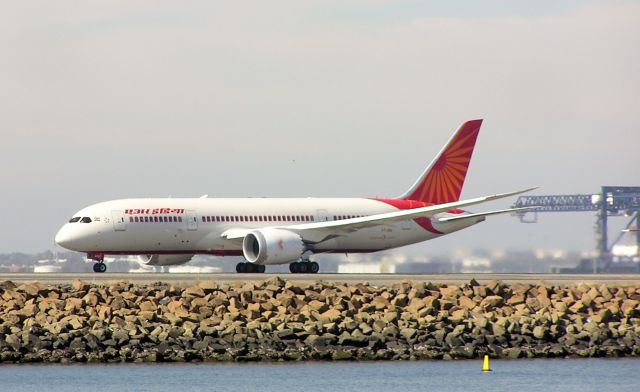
(307, 230)
(468, 216)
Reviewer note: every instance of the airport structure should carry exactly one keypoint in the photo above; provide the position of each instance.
(613, 201)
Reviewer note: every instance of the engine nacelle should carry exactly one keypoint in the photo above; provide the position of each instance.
(161, 260)
(272, 246)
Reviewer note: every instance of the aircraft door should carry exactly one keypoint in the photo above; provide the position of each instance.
(119, 222)
(192, 220)
(322, 215)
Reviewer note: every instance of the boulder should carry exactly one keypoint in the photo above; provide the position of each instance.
(331, 315)
(491, 302)
(380, 303)
(78, 285)
(602, 316)
(516, 299)
(318, 306)
(193, 291)
(355, 340)
(466, 302)
(540, 332)
(408, 333)
(341, 355)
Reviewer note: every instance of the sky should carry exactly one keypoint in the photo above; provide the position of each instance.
(106, 100)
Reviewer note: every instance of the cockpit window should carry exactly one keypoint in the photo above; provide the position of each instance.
(85, 219)
(74, 219)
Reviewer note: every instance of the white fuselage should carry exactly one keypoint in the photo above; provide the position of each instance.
(195, 226)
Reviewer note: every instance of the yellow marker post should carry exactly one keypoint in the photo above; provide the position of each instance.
(485, 364)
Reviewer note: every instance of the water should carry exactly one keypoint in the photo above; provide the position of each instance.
(512, 376)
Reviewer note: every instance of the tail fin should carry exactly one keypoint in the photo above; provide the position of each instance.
(442, 181)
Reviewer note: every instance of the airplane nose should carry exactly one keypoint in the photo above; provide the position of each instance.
(64, 238)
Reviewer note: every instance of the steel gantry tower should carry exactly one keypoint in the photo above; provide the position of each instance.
(612, 201)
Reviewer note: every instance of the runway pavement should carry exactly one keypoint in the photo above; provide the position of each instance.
(374, 279)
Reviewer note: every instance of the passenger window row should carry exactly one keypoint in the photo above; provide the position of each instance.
(154, 219)
(340, 217)
(259, 218)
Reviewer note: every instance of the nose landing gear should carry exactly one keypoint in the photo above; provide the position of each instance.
(99, 266)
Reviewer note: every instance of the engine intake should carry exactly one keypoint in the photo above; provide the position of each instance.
(161, 260)
(272, 246)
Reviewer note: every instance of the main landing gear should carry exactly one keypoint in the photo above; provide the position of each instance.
(99, 266)
(250, 268)
(304, 267)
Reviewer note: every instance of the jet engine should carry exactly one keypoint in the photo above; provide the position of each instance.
(160, 260)
(272, 246)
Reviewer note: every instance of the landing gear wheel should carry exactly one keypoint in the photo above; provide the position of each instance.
(241, 268)
(99, 268)
(305, 267)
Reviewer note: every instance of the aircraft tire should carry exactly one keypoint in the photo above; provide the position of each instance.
(314, 267)
(99, 268)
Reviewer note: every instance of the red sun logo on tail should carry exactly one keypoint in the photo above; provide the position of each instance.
(444, 180)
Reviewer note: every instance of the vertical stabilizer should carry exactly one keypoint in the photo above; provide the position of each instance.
(442, 181)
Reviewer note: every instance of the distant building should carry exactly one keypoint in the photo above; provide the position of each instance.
(47, 266)
(366, 268)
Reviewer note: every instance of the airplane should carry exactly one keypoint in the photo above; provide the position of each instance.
(270, 231)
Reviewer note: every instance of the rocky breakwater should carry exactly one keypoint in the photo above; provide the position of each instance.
(276, 320)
